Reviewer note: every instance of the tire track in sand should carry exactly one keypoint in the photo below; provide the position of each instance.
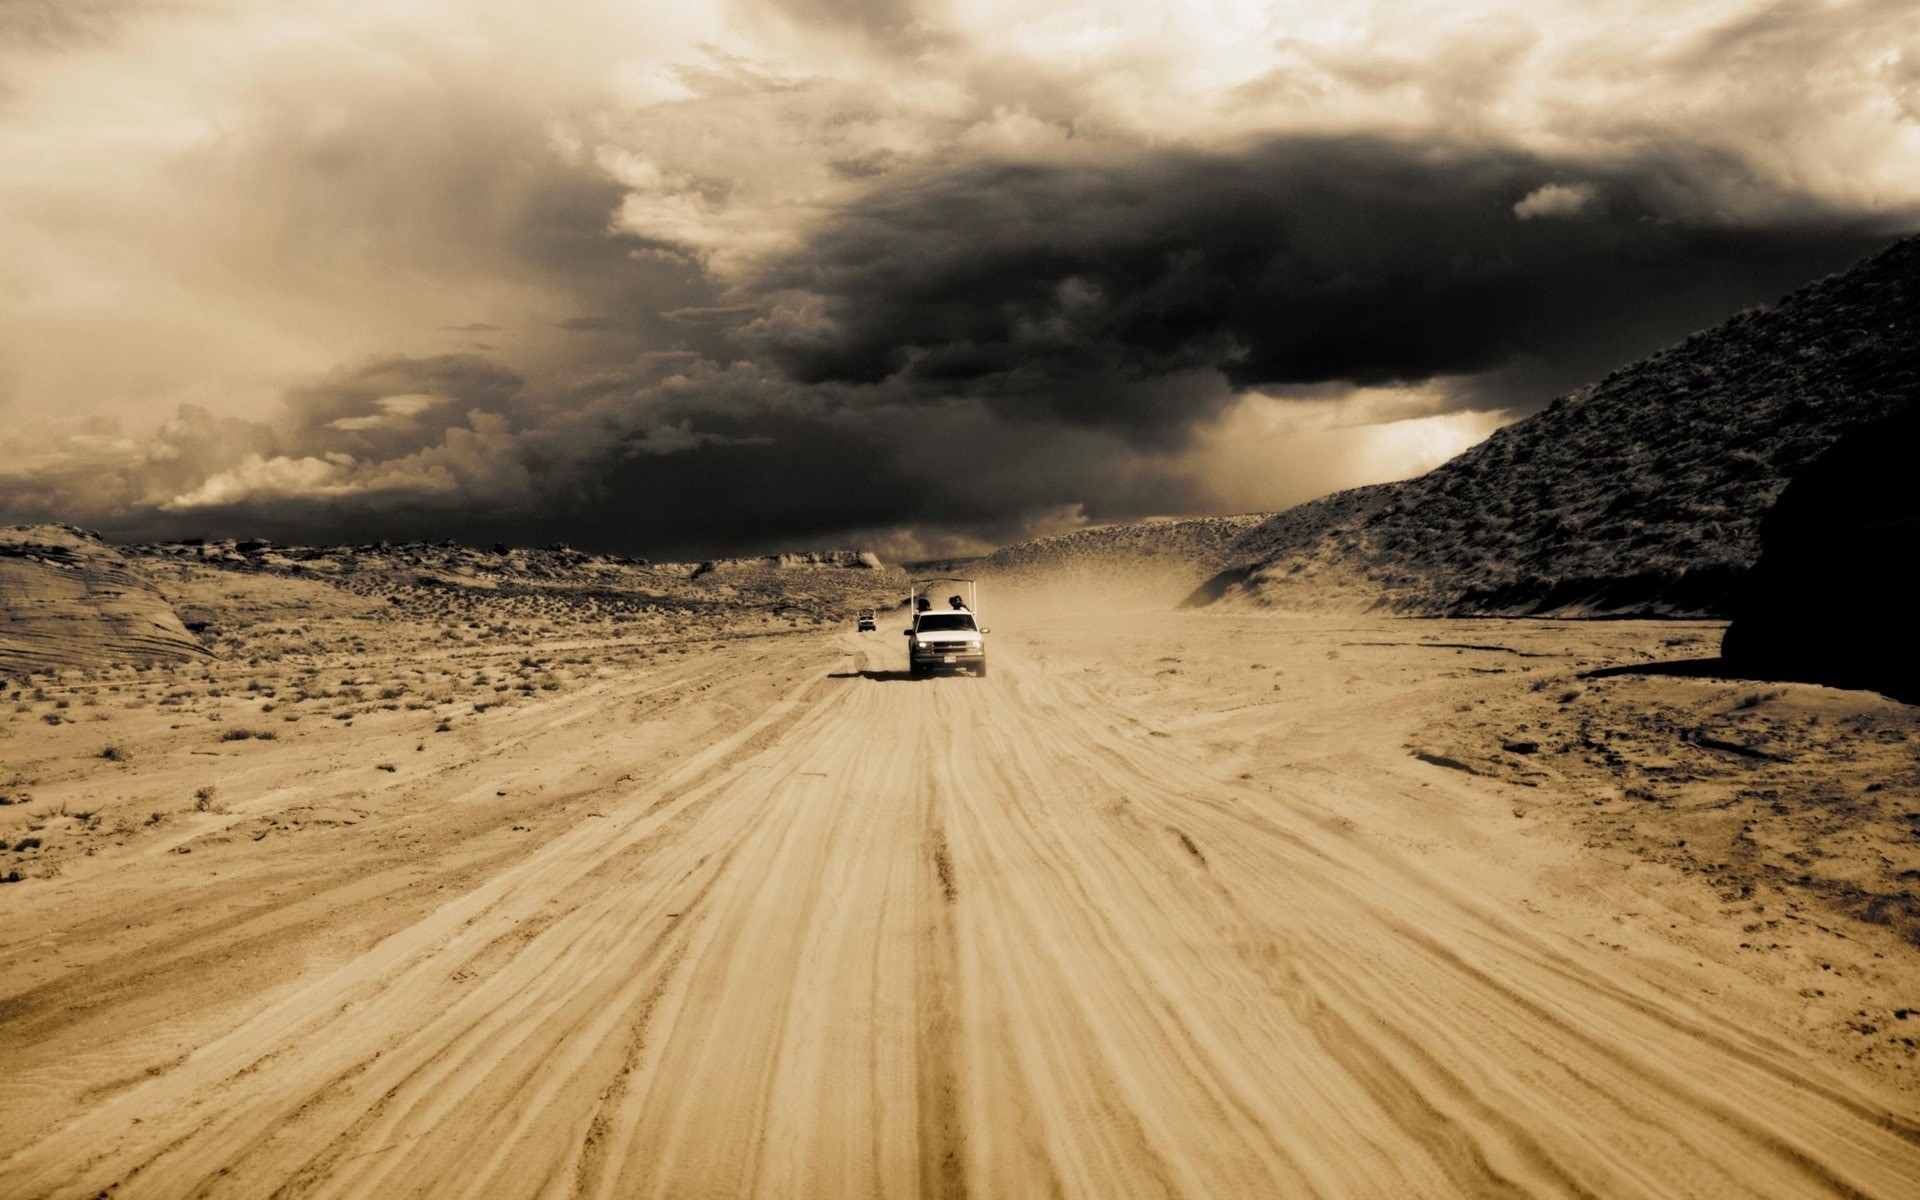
(974, 937)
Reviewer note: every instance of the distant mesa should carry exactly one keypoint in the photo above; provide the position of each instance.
(67, 599)
(1832, 598)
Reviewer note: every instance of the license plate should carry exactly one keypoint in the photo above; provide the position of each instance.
(947, 659)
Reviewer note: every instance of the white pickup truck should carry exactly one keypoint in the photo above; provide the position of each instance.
(945, 639)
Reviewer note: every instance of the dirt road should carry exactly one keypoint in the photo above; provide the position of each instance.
(1068, 929)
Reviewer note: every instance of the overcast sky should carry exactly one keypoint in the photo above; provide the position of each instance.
(683, 278)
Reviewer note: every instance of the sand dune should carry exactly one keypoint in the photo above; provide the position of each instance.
(775, 920)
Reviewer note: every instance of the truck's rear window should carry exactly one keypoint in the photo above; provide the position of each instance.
(945, 622)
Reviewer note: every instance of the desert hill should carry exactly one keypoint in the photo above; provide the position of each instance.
(67, 599)
(1639, 494)
(438, 579)
(1154, 562)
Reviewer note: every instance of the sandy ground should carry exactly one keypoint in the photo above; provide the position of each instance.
(1189, 904)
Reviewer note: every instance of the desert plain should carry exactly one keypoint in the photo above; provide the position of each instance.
(462, 897)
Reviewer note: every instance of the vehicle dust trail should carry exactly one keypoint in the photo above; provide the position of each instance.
(972, 937)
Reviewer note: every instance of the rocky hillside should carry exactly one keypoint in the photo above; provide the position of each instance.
(67, 599)
(1151, 562)
(1640, 494)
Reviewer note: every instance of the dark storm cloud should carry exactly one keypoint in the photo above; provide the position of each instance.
(866, 167)
(736, 463)
(768, 478)
(963, 351)
(894, 24)
(810, 476)
(61, 24)
(960, 349)
(707, 494)
(1075, 292)
(618, 286)
(718, 314)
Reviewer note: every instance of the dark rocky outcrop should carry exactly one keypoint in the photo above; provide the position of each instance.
(1833, 598)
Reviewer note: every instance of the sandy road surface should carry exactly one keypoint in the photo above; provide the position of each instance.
(1010, 936)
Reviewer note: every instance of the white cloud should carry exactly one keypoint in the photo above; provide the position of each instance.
(259, 478)
(1556, 200)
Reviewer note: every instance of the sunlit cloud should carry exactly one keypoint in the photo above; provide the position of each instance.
(1556, 200)
(1266, 452)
